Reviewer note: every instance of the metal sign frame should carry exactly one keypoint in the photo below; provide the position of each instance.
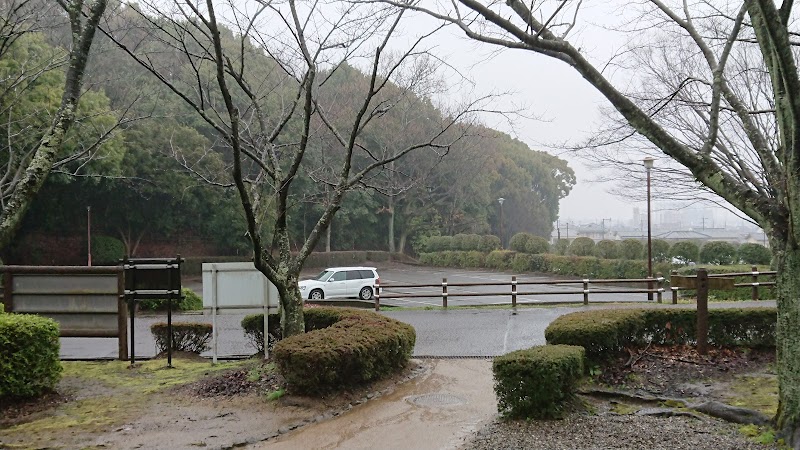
(152, 278)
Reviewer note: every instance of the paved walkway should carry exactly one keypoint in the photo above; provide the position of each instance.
(438, 410)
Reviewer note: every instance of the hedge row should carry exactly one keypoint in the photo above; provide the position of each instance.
(740, 293)
(343, 347)
(578, 266)
(607, 332)
(189, 301)
(193, 265)
(29, 362)
(537, 382)
(460, 242)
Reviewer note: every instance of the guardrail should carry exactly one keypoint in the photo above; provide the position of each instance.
(754, 284)
(514, 284)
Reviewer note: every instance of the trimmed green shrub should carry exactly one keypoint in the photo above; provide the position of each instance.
(459, 242)
(606, 333)
(189, 302)
(538, 382)
(186, 336)
(684, 252)
(660, 250)
(472, 243)
(519, 242)
(581, 246)
(29, 362)
(253, 326)
(355, 347)
(632, 249)
(561, 247)
(107, 250)
(537, 245)
(606, 249)
(754, 254)
(500, 259)
(489, 243)
(718, 252)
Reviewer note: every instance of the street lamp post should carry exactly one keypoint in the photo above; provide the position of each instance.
(89, 236)
(648, 165)
(502, 242)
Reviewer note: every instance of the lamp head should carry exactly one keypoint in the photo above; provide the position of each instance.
(648, 162)
(501, 200)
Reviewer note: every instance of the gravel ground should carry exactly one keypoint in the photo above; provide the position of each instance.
(582, 432)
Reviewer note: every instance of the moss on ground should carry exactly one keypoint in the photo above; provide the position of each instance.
(109, 394)
(759, 392)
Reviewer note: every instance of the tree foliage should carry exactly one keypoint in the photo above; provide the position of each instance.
(718, 252)
(751, 253)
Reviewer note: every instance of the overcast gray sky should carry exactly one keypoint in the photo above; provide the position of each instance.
(566, 106)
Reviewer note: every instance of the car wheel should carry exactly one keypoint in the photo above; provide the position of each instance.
(316, 294)
(365, 293)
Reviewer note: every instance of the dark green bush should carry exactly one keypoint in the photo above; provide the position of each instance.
(660, 250)
(29, 362)
(189, 302)
(355, 347)
(606, 249)
(685, 252)
(253, 326)
(754, 254)
(561, 247)
(605, 333)
(718, 252)
(186, 336)
(537, 245)
(472, 243)
(632, 249)
(107, 250)
(489, 243)
(500, 259)
(581, 246)
(538, 382)
(519, 242)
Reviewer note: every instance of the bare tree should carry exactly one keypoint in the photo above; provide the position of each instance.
(727, 115)
(83, 17)
(265, 80)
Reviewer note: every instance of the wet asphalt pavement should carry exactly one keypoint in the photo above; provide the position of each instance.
(453, 332)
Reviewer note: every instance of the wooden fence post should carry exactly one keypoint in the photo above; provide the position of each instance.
(585, 291)
(378, 294)
(513, 291)
(444, 292)
(659, 286)
(755, 283)
(671, 288)
(702, 311)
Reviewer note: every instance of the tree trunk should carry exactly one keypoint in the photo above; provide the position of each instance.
(403, 238)
(46, 153)
(788, 344)
(328, 238)
(292, 320)
(391, 225)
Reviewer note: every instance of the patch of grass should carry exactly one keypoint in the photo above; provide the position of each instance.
(258, 371)
(147, 376)
(274, 395)
(760, 435)
(123, 392)
(624, 408)
(756, 392)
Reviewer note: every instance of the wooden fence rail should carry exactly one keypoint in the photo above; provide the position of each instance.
(585, 289)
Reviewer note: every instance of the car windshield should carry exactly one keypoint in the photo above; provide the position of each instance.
(323, 275)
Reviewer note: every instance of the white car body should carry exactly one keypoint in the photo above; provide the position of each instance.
(341, 282)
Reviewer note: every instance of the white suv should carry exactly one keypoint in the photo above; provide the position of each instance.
(341, 282)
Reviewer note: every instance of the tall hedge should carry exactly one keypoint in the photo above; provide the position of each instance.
(581, 246)
(29, 361)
